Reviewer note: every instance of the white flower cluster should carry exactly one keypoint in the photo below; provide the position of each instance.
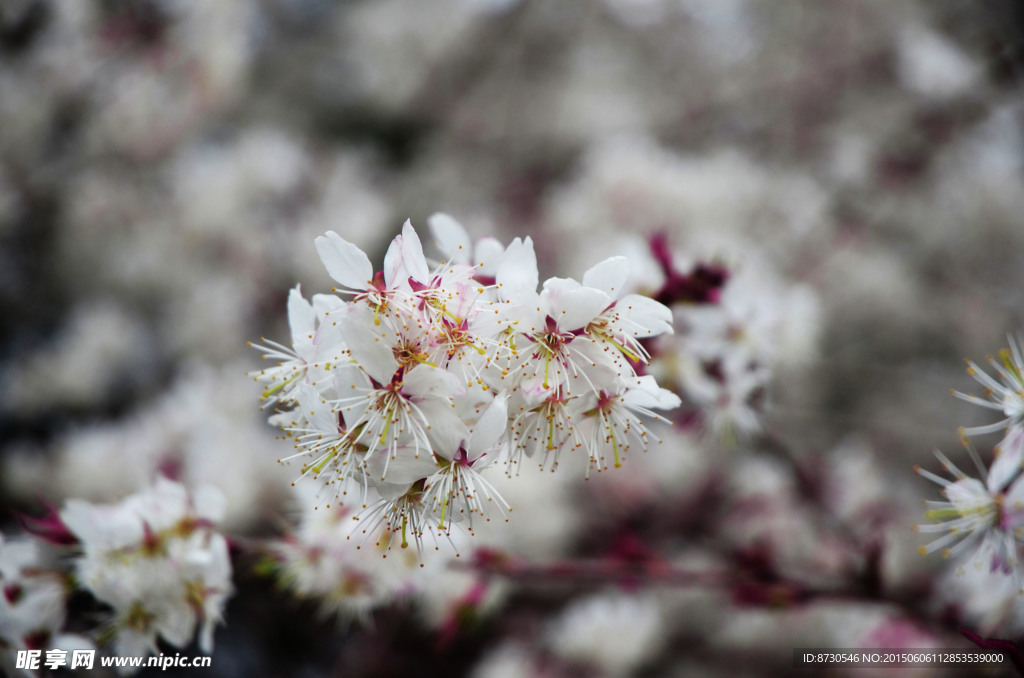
(157, 561)
(32, 601)
(985, 515)
(428, 374)
(321, 561)
(734, 328)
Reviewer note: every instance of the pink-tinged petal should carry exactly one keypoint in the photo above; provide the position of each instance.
(344, 262)
(609, 276)
(534, 392)
(579, 307)
(301, 317)
(50, 528)
(647, 317)
(451, 238)
(1009, 462)
(490, 427)
(369, 350)
(412, 254)
(517, 270)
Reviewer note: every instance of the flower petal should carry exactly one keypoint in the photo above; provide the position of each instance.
(312, 406)
(451, 238)
(517, 270)
(647, 317)
(412, 254)
(577, 308)
(446, 431)
(368, 350)
(1010, 461)
(487, 255)
(609, 276)
(647, 394)
(404, 259)
(301, 317)
(490, 427)
(425, 380)
(344, 262)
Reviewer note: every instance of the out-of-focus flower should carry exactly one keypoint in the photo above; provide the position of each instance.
(33, 598)
(734, 326)
(333, 559)
(156, 559)
(613, 632)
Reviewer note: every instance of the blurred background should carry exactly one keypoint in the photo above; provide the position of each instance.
(165, 166)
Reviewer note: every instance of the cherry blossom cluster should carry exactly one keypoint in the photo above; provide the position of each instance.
(318, 561)
(720, 357)
(33, 605)
(984, 515)
(154, 563)
(156, 559)
(421, 375)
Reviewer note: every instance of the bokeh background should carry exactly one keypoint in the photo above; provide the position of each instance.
(165, 166)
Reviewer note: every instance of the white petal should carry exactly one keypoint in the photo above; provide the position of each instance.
(490, 427)
(650, 396)
(451, 238)
(344, 262)
(487, 255)
(404, 468)
(609, 276)
(1013, 505)
(301, 317)
(404, 259)
(517, 270)
(129, 642)
(210, 503)
(447, 431)
(176, 622)
(579, 307)
(368, 350)
(1008, 463)
(206, 637)
(425, 380)
(557, 287)
(312, 406)
(649, 317)
(412, 254)
(71, 642)
(394, 272)
(328, 305)
(350, 383)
